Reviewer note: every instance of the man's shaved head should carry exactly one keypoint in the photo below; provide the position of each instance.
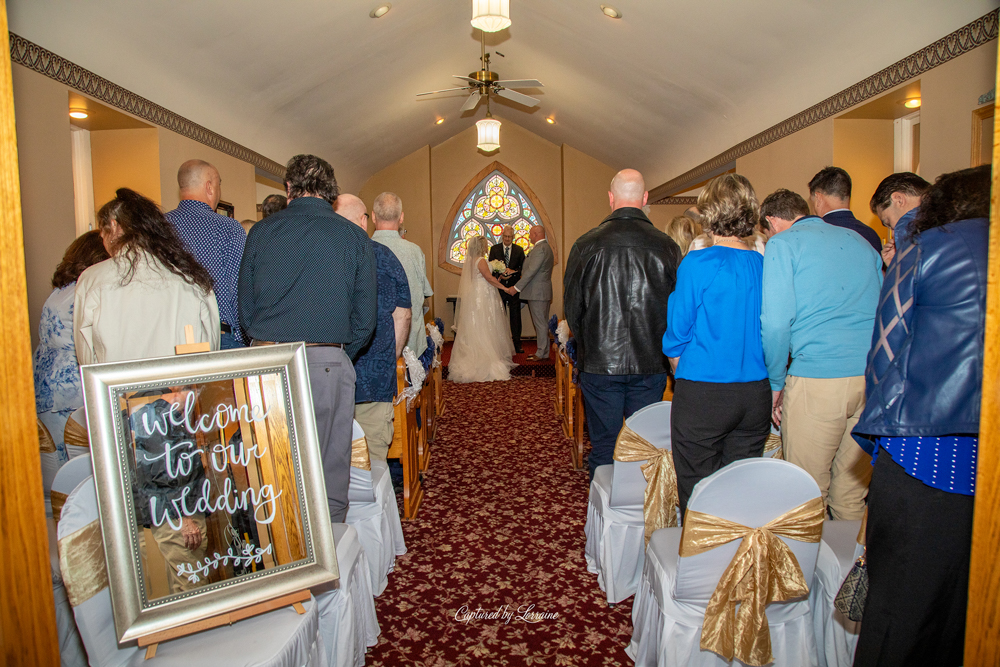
(628, 189)
(536, 233)
(200, 181)
(194, 173)
(353, 209)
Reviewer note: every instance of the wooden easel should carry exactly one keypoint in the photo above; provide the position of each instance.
(295, 600)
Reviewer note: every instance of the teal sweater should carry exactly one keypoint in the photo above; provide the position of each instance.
(821, 289)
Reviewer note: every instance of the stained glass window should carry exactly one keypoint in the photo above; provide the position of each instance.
(496, 201)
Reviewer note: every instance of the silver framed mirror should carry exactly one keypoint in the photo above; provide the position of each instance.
(209, 484)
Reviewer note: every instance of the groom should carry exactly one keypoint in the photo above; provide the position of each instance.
(512, 256)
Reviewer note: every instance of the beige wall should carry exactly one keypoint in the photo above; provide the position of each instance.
(662, 214)
(453, 164)
(410, 178)
(125, 159)
(239, 186)
(569, 186)
(949, 94)
(789, 162)
(41, 110)
(864, 148)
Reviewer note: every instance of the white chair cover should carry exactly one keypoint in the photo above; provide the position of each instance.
(279, 638)
(376, 521)
(347, 618)
(615, 528)
(668, 610)
(836, 635)
(71, 652)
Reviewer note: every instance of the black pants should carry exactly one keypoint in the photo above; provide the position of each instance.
(713, 424)
(512, 302)
(919, 545)
(610, 399)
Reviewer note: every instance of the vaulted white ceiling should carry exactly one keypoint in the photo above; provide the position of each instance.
(671, 84)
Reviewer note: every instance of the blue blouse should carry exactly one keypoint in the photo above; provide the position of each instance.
(943, 462)
(713, 316)
(57, 376)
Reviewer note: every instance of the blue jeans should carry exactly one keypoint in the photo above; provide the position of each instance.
(230, 342)
(611, 399)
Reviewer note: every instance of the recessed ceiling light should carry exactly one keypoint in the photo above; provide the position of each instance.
(78, 112)
(550, 120)
(611, 12)
(912, 103)
(380, 11)
(439, 121)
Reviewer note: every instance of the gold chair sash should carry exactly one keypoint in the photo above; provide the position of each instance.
(45, 442)
(764, 570)
(774, 443)
(58, 499)
(359, 454)
(659, 507)
(81, 560)
(76, 434)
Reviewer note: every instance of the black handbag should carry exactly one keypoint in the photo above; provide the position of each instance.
(853, 592)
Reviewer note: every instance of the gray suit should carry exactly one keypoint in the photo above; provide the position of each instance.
(535, 287)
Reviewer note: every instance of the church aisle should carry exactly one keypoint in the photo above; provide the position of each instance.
(500, 528)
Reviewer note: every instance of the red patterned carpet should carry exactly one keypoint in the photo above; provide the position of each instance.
(501, 527)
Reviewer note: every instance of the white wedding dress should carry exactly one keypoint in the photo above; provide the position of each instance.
(483, 347)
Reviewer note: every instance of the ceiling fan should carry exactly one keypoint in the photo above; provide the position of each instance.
(485, 83)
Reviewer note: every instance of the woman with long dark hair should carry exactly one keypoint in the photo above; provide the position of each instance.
(921, 421)
(135, 304)
(57, 376)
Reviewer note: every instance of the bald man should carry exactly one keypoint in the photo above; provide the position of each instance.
(375, 387)
(512, 255)
(618, 278)
(215, 240)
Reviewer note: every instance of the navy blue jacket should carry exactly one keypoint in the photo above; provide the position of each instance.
(847, 220)
(925, 367)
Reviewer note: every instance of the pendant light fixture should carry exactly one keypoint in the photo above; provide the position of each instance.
(488, 131)
(491, 15)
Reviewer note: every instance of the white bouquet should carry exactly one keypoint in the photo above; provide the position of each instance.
(497, 266)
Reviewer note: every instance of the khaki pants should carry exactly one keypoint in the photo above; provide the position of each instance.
(170, 542)
(376, 421)
(817, 418)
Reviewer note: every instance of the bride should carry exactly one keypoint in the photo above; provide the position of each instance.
(483, 347)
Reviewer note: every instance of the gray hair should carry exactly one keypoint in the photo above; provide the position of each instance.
(388, 207)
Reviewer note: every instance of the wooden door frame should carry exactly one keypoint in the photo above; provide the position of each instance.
(27, 615)
(982, 629)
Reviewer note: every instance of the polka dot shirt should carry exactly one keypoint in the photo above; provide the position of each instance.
(945, 462)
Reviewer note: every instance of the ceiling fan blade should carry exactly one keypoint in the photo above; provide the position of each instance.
(521, 83)
(472, 102)
(446, 90)
(518, 97)
(469, 79)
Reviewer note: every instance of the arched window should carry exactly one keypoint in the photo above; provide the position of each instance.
(497, 198)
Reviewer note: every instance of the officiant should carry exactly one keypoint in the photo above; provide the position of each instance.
(512, 255)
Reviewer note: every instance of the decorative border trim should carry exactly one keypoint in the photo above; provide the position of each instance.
(56, 67)
(467, 190)
(683, 201)
(963, 40)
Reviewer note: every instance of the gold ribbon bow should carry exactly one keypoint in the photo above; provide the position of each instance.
(359, 454)
(81, 561)
(659, 507)
(764, 570)
(773, 443)
(45, 442)
(76, 434)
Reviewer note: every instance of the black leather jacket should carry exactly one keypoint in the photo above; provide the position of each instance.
(618, 278)
(925, 368)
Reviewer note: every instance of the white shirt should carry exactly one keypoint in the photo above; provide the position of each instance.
(141, 319)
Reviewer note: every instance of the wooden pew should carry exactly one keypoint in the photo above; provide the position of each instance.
(428, 421)
(573, 414)
(437, 375)
(404, 447)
